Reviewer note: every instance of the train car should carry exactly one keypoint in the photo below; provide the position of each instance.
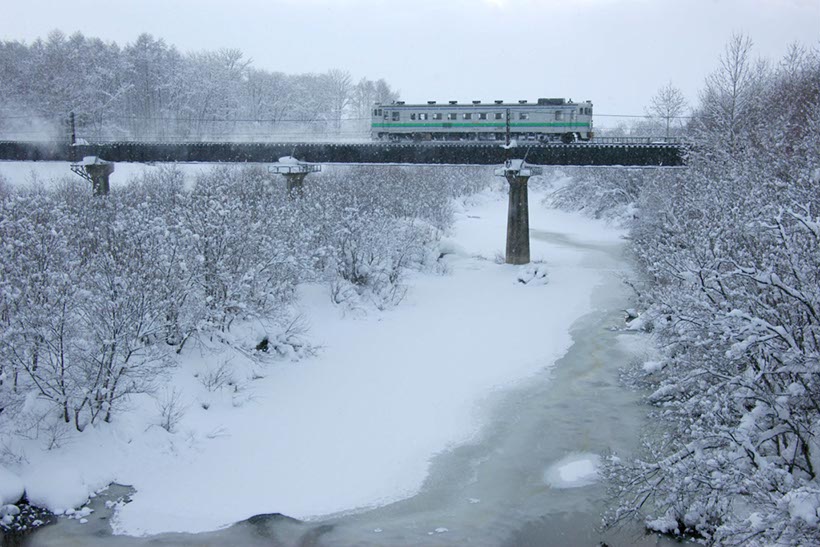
(546, 120)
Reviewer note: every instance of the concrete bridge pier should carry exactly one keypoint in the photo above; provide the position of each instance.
(294, 171)
(97, 171)
(518, 175)
(295, 181)
(100, 177)
(518, 221)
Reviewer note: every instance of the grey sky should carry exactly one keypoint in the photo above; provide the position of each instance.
(616, 53)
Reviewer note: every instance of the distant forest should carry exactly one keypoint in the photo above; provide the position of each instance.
(149, 90)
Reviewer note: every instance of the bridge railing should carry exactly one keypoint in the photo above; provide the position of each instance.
(361, 139)
(640, 140)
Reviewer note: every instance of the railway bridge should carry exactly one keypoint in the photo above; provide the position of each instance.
(429, 153)
(517, 163)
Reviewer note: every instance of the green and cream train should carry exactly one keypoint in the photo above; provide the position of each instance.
(545, 120)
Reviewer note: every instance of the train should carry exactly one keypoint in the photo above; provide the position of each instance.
(545, 120)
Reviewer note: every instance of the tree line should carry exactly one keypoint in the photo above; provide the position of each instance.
(149, 90)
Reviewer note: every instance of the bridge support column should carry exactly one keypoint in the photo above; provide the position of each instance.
(295, 182)
(99, 177)
(97, 171)
(518, 221)
(518, 213)
(295, 172)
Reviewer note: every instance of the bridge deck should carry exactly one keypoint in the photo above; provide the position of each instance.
(433, 153)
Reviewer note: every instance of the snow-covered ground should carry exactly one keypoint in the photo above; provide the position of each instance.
(357, 425)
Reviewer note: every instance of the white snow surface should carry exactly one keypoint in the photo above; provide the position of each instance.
(11, 487)
(60, 488)
(357, 425)
(573, 471)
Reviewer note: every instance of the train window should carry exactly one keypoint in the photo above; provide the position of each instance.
(468, 116)
(386, 114)
(523, 116)
(452, 116)
(499, 116)
(482, 115)
(559, 115)
(423, 116)
(395, 115)
(412, 115)
(437, 116)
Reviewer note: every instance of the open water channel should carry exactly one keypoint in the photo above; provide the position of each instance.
(493, 492)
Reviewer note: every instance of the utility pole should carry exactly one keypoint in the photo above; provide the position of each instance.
(72, 137)
(72, 133)
(508, 128)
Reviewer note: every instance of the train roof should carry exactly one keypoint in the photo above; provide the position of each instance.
(480, 104)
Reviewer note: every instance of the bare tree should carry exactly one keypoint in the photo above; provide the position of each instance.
(668, 104)
(384, 93)
(339, 86)
(364, 95)
(728, 95)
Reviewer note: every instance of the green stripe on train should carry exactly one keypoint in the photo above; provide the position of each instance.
(448, 125)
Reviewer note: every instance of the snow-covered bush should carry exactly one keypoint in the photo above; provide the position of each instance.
(533, 274)
(171, 409)
(241, 265)
(78, 295)
(601, 192)
(730, 252)
(96, 293)
(362, 228)
(90, 286)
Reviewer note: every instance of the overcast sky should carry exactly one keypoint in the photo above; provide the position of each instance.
(616, 53)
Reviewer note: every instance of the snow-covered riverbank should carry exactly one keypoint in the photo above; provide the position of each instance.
(357, 425)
